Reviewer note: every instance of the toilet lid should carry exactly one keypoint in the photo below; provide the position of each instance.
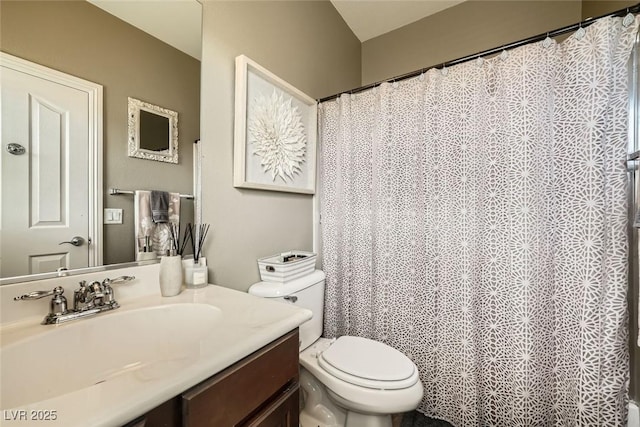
(368, 363)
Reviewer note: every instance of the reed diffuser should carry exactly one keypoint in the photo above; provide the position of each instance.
(175, 238)
(196, 276)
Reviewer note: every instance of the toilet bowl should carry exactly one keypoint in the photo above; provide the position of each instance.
(373, 394)
(348, 381)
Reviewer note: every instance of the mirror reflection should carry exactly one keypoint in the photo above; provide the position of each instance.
(82, 40)
(153, 132)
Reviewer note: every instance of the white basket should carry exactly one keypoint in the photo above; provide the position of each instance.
(286, 266)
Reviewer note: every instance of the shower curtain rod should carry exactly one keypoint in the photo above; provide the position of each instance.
(632, 9)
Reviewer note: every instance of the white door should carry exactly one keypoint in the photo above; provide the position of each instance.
(45, 174)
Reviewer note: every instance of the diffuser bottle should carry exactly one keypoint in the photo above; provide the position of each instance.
(196, 274)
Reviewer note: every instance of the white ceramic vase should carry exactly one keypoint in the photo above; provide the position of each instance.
(170, 275)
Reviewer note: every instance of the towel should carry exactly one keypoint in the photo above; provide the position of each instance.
(158, 233)
(159, 206)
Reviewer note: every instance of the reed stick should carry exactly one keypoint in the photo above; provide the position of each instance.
(197, 241)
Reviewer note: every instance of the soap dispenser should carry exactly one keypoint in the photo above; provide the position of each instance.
(170, 273)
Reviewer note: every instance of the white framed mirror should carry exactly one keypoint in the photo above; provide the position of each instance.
(153, 132)
(122, 65)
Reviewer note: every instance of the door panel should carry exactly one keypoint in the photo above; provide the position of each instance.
(50, 262)
(48, 149)
(44, 190)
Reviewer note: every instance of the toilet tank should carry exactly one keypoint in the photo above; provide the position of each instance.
(306, 292)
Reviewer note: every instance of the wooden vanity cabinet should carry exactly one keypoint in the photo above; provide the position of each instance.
(243, 392)
(260, 390)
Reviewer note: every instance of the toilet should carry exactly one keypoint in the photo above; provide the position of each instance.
(349, 381)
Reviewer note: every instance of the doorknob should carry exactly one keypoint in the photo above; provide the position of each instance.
(15, 149)
(76, 241)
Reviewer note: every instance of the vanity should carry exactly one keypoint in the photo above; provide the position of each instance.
(259, 390)
(207, 357)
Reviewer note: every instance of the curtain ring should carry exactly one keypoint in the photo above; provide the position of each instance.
(580, 33)
(628, 19)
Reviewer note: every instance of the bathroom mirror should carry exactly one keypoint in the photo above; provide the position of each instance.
(85, 41)
(153, 132)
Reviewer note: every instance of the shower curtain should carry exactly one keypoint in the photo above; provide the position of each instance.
(474, 218)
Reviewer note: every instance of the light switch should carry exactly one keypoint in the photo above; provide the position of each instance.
(112, 216)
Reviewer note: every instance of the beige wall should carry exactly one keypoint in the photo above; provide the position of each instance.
(80, 39)
(593, 8)
(462, 30)
(305, 43)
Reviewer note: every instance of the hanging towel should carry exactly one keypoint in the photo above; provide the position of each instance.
(159, 206)
(159, 234)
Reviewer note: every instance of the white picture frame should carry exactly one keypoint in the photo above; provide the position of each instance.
(163, 150)
(266, 109)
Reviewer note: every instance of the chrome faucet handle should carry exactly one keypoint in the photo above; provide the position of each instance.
(109, 297)
(58, 290)
(57, 305)
(121, 279)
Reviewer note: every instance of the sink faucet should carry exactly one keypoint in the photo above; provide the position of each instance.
(87, 296)
(88, 299)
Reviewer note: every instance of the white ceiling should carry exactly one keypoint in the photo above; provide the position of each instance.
(179, 22)
(371, 18)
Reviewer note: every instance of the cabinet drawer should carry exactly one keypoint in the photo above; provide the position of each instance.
(283, 411)
(228, 398)
(164, 415)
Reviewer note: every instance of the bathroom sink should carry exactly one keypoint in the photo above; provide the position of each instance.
(144, 343)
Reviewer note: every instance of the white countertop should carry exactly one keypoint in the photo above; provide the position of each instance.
(246, 323)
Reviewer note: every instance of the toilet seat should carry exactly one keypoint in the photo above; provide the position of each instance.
(367, 363)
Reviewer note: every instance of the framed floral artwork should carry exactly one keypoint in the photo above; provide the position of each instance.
(274, 132)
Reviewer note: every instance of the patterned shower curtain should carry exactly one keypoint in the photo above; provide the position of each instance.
(475, 219)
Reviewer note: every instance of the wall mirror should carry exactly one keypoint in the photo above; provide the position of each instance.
(127, 62)
(153, 132)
